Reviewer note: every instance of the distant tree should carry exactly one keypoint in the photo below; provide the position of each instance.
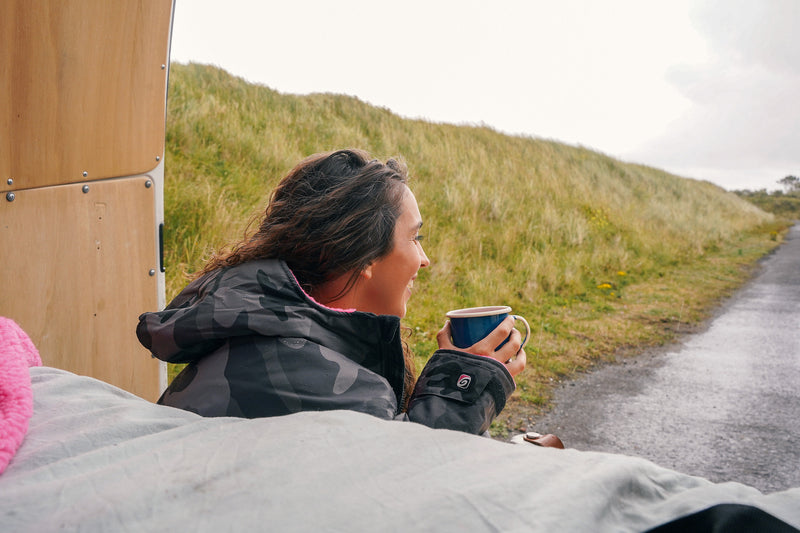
(790, 183)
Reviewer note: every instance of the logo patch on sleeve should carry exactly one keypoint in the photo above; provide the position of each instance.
(464, 381)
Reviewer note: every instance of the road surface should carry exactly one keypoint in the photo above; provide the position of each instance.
(723, 404)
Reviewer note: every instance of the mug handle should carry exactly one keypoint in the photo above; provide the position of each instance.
(527, 330)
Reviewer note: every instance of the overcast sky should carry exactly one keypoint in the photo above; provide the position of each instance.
(707, 89)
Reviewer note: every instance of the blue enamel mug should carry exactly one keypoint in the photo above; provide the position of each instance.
(470, 325)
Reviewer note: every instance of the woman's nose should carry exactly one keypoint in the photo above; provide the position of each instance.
(424, 261)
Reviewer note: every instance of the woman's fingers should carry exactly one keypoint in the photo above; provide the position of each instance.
(517, 365)
(487, 345)
(510, 348)
(510, 354)
(443, 338)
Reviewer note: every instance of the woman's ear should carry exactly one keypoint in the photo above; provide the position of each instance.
(367, 272)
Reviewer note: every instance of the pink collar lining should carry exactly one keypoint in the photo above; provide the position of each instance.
(335, 309)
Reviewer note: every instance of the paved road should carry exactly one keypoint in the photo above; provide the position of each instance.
(723, 404)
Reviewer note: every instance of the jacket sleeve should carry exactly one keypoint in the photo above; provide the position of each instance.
(460, 391)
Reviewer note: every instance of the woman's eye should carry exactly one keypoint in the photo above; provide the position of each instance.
(419, 237)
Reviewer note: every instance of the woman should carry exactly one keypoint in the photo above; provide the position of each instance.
(305, 313)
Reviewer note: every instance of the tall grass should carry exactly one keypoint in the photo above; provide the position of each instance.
(598, 254)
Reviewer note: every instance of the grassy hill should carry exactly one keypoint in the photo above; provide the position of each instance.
(602, 257)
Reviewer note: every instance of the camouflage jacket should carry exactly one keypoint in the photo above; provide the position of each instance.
(257, 345)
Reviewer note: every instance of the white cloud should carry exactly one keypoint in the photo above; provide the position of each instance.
(743, 126)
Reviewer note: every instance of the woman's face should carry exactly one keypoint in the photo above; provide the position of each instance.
(386, 284)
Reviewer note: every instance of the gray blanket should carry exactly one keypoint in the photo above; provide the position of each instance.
(99, 459)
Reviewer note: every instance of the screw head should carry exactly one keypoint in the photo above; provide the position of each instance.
(10, 196)
(10, 181)
(148, 184)
(85, 173)
(85, 189)
(152, 272)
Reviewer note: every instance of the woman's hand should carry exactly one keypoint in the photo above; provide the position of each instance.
(511, 354)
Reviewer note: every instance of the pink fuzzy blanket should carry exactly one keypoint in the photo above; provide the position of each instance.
(17, 354)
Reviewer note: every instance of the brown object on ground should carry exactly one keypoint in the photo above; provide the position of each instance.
(547, 441)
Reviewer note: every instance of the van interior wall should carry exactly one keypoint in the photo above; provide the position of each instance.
(82, 126)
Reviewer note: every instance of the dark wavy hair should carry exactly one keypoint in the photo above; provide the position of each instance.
(334, 213)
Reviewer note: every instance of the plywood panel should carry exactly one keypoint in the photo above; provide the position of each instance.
(83, 89)
(77, 273)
